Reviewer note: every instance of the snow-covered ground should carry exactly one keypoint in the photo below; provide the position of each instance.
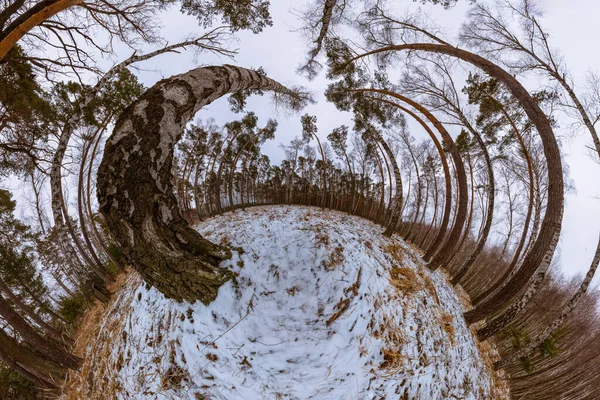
(323, 307)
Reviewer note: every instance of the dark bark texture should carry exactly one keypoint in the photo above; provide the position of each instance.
(135, 183)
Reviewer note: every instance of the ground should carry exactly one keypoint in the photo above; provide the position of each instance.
(323, 307)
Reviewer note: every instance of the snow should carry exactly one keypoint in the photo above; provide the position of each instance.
(323, 307)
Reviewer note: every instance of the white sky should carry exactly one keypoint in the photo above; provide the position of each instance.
(279, 50)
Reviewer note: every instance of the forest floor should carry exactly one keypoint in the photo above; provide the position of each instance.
(323, 307)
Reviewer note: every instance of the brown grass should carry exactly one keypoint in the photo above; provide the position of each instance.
(394, 360)
(336, 258)
(343, 304)
(321, 237)
(396, 251)
(429, 286)
(93, 345)
(500, 381)
(447, 323)
(404, 280)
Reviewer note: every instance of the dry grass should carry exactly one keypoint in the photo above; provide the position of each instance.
(499, 381)
(392, 334)
(336, 258)
(336, 255)
(429, 285)
(321, 237)
(402, 278)
(293, 290)
(396, 252)
(447, 323)
(173, 377)
(405, 280)
(392, 361)
(94, 343)
(344, 304)
(340, 307)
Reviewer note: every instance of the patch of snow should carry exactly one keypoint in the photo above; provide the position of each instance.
(323, 307)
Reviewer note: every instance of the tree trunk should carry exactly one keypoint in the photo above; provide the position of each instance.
(135, 189)
(542, 251)
(80, 197)
(48, 329)
(511, 268)
(97, 235)
(489, 215)
(28, 363)
(353, 179)
(435, 208)
(8, 41)
(497, 323)
(430, 251)
(197, 201)
(417, 234)
(53, 351)
(397, 201)
(410, 232)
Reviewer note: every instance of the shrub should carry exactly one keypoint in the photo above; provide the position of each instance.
(14, 387)
(71, 308)
(116, 253)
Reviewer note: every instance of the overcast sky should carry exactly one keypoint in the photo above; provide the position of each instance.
(280, 49)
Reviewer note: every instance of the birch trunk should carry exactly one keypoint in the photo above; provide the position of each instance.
(135, 188)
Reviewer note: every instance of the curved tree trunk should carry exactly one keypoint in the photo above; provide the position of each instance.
(448, 180)
(31, 365)
(61, 218)
(38, 206)
(489, 215)
(435, 208)
(183, 184)
(387, 214)
(471, 203)
(396, 201)
(220, 172)
(9, 39)
(353, 179)
(542, 251)
(448, 248)
(234, 165)
(511, 268)
(135, 189)
(35, 317)
(62, 222)
(417, 234)
(311, 64)
(80, 197)
(97, 235)
(323, 172)
(499, 322)
(196, 195)
(410, 232)
(51, 349)
(380, 211)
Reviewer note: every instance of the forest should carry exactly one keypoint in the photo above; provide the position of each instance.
(429, 165)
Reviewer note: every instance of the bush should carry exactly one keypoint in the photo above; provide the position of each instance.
(14, 387)
(550, 347)
(528, 365)
(116, 253)
(71, 308)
